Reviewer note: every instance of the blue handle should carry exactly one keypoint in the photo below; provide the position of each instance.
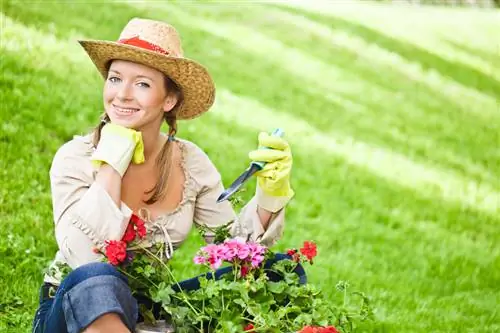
(276, 132)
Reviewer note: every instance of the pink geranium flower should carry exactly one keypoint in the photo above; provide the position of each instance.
(235, 248)
(256, 254)
(199, 260)
(213, 250)
(232, 250)
(213, 255)
(215, 263)
(256, 260)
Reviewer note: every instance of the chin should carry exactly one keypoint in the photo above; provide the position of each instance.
(123, 122)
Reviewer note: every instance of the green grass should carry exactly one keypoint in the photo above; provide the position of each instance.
(392, 112)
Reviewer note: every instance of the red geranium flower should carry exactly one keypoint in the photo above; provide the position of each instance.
(139, 225)
(308, 329)
(249, 328)
(244, 271)
(116, 251)
(318, 329)
(309, 250)
(291, 252)
(129, 234)
(141, 229)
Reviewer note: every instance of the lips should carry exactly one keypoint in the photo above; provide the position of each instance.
(124, 110)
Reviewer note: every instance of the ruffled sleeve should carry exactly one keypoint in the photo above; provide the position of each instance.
(84, 213)
(212, 214)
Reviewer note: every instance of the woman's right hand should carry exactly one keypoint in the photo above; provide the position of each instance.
(118, 146)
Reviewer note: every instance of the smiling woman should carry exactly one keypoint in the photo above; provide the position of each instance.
(139, 97)
(136, 96)
(128, 168)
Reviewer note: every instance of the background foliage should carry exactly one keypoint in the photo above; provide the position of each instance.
(392, 113)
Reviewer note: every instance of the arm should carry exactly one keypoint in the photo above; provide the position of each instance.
(262, 219)
(247, 224)
(110, 181)
(264, 216)
(86, 211)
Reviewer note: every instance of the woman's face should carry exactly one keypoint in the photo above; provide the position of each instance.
(134, 96)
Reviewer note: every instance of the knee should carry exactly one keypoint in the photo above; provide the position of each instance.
(94, 290)
(91, 270)
(97, 268)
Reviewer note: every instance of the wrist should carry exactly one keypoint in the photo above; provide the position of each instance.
(272, 203)
(107, 171)
(116, 148)
(265, 216)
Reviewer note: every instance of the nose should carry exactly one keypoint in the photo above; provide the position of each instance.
(125, 92)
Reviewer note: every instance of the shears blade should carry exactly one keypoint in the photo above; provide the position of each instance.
(253, 168)
(247, 174)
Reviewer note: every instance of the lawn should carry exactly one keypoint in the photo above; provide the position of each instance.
(392, 112)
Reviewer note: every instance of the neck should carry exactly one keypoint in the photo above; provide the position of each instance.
(153, 141)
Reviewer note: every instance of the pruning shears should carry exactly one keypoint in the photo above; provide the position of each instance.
(249, 172)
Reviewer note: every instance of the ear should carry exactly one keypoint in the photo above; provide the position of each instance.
(169, 103)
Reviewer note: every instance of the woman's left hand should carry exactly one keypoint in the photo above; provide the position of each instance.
(274, 178)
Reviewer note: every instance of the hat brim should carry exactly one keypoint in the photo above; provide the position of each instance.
(193, 79)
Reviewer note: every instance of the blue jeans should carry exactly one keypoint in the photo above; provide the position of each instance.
(95, 289)
(97, 284)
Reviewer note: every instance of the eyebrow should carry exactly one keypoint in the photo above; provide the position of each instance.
(138, 76)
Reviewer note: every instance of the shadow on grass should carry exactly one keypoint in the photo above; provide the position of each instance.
(491, 58)
(350, 196)
(64, 19)
(362, 202)
(440, 126)
(291, 98)
(459, 72)
(434, 119)
(430, 110)
(322, 161)
(243, 74)
(27, 85)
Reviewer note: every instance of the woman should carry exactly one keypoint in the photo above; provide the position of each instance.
(129, 166)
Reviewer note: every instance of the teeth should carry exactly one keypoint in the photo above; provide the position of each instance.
(125, 110)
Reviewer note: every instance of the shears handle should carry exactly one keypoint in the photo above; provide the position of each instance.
(276, 132)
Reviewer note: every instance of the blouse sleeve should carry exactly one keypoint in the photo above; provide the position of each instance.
(84, 213)
(212, 214)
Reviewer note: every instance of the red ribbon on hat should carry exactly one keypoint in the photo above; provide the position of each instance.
(143, 44)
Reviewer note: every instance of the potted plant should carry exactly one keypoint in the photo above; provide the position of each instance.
(256, 294)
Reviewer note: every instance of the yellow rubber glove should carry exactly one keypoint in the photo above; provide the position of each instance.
(273, 181)
(118, 147)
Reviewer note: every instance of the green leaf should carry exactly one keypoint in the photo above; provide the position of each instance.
(240, 302)
(149, 318)
(163, 294)
(276, 287)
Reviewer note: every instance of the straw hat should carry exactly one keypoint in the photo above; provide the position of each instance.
(157, 44)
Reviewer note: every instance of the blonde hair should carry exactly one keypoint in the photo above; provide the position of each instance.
(164, 159)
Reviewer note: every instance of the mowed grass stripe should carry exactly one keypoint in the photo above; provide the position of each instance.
(417, 254)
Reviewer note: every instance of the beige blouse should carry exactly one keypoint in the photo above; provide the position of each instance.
(85, 215)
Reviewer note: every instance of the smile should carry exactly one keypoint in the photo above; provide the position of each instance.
(124, 110)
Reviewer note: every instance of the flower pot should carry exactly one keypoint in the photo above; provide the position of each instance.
(160, 327)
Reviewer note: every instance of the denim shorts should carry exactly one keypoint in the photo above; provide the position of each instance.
(65, 309)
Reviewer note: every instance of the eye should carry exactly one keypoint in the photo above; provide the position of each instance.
(114, 79)
(144, 85)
